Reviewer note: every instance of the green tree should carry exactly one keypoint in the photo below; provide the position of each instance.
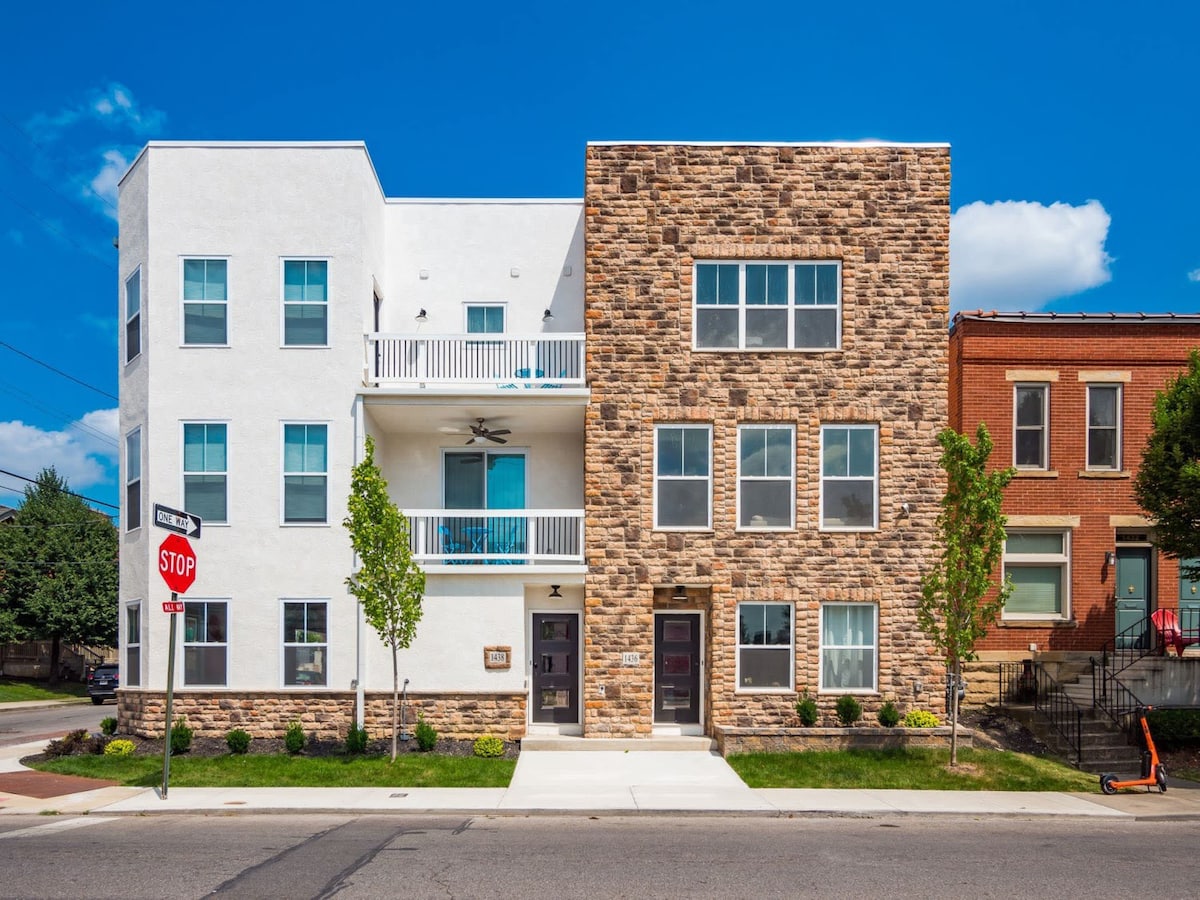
(388, 583)
(1167, 485)
(955, 608)
(58, 570)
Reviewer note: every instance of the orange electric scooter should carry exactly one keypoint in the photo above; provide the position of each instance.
(1153, 772)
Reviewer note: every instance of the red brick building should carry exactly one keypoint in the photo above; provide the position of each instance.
(1068, 400)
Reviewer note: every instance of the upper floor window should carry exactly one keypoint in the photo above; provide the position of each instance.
(1031, 426)
(683, 476)
(1037, 563)
(1104, 426)
(205, 296)
(766, 476)
(305, 482)
(205, 470)
(849, 477)
(485, 318)
(133, 315)
(133, 480)
(768, 306)
(305, 302)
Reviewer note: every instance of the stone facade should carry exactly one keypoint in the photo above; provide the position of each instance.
(795, 740)
(651, 211)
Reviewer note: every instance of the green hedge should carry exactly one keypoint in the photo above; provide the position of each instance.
(1175, 729)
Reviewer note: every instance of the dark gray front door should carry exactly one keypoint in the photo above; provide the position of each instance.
(677, 668)
(555, 668)
(1133, 595)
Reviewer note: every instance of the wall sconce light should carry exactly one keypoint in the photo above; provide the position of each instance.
(918, 687)
(905, 508)
(554, 592)
(1110, 558)
(547, 316)
(680, 593)
(421, 317)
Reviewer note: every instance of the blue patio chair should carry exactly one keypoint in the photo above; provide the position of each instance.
(449, 544)
(562, 374)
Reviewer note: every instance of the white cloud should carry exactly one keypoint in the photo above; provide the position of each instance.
(1017, 255)
(1194, 275)
(113, 106)
(103, 185)
(83, 454)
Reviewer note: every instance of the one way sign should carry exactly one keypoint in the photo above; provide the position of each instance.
(177, 520)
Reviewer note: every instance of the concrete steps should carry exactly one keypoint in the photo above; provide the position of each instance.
(674, 743)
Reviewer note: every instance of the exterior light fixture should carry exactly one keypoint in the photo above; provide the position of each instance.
(1110, 558)
(554, 592)
(547, 316)
(421, 317)
(680, 593)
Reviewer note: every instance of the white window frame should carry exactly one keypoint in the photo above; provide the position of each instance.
(873, 647)
(133, 319)
(132, 675)
(185, 302)
(285, 644)
(488, 304)
(708, 479)
(1115, 428)
(285, 303)
(743, 477)
(1043, 560)
(791, 307)
(777, 648)
(185, 472)
(1044, 387)
(861, 479)
(133, 459)
(284, 473)
(207, 644)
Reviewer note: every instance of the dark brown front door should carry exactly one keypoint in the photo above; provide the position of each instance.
(677, 668)
(556, 668)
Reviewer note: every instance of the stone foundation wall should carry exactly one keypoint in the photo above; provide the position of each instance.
(789, 740)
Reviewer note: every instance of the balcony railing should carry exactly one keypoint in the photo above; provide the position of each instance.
(496, 536)
(513, 362)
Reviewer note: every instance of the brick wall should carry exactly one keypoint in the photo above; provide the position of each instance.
(650, 212)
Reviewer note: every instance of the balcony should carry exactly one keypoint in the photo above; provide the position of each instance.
(505, 363)
(496, 537)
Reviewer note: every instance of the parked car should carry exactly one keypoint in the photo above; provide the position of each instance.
(103, 681)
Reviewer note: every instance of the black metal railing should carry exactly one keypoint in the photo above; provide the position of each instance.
(1136, 642)
(1028, 682)
(1111, 695)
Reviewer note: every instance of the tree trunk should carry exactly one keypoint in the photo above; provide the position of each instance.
(395, 699)
(55, 652)
(956, 667)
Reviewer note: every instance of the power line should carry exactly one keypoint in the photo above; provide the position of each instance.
(51, 227)
(72, 493)
(71, 422)
(59, 371)
(28, 168)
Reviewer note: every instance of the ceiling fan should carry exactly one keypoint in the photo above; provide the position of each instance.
(482, 434)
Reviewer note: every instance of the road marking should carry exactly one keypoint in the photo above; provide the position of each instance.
(64, 825)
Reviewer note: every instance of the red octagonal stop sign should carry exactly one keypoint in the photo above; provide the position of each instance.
(177, 563)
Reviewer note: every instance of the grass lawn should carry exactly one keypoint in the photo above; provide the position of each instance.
(14, 690)
(264, 770)
(912, 769)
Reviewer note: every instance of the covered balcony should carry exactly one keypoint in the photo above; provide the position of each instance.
(488, 537)
(501, 362)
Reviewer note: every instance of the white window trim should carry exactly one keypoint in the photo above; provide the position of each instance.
(183, 260)
(127, 318)
(283, 473)
(283, 304)
(708, 478)
(133, 606)
(791, 429)
(742, 306)
(821, 647)
(874, 526)
(1118, 413)
(791, 648)
(181, 661)
(284, 643)
(1063, 561)
(133, 433)
(468, 305)
(183, 471)
(1044, 387)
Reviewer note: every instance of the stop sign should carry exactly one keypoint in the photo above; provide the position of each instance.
(177, 563)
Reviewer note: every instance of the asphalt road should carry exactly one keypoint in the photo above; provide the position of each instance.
(20, 725)
(649, 857)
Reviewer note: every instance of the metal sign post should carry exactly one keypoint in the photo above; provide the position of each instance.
(170, 697)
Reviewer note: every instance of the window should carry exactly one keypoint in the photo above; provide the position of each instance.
(204, 471)
(768, 306)
(849, 477)
(305, 643)
(205, 636)
(133, 480)
(1037, 562)
(766, 480)
(682, 476)
(133, 315)
(205, 296)
(305, 302)
(485, 319)
(133, 645)
(765, 652)
(1032, 432)
(848, 646)
(305, 462)
(1104, 426)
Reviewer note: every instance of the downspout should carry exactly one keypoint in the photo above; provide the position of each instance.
(360, 441)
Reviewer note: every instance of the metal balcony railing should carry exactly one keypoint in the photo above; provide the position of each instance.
(502, 361)
(490, 537)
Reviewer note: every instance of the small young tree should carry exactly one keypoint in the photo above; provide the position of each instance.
(1167, 485)
(954, 610)
(388, 583)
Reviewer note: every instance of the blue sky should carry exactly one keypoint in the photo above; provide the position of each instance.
(1073, 129)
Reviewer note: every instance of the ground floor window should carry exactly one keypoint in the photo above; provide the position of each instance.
(1037, 563)
(305, 642)
(132, 676)
(849, 646)
(205, 637)
(765, 648)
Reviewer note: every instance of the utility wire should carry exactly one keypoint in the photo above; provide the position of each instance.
(72, 493)
(51, 227)
(59, 371)
(28, 168)
(79, 426)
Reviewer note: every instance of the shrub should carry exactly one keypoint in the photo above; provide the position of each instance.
(489, 746)
(426, 735)
(806, 709)
(238, 741)
(95, 743)
(294, 739)
(356, 740)
(920, 718)
(1173, 729)
(181, 737)
(108, 725)
(849, 710)
(119, 747)
(889, 716)
(68, 744)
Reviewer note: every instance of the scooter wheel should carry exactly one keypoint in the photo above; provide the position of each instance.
(1160, 775)
(1106, 784)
